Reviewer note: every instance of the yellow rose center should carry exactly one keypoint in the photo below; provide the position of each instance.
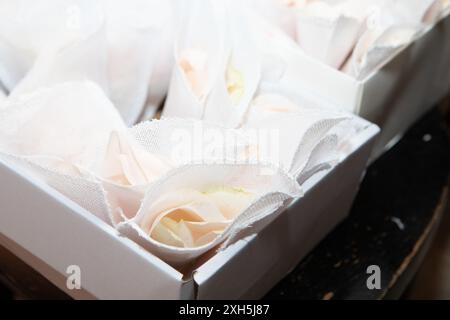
(235, 84)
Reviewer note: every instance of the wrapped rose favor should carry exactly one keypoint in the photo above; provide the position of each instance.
(199, 56)
(55, 133)
(140, 36)
(114, 44)
(199, 207)
(329, 32)
(217, 66)
(28, 29)
(30, 123)
(326, 30)
(391, 25)
(354, 35)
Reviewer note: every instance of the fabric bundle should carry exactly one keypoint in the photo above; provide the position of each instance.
(355, 36)
(119, 45)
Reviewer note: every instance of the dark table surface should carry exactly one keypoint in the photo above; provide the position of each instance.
(391, 225)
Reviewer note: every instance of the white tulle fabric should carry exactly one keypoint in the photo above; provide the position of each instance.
(122, 46)
(356, 36)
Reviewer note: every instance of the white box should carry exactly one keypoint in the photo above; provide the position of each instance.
(50, 232)
(394, 96)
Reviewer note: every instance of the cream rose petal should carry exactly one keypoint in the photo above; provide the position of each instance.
(235, 84)
(199, 229)
(166, 232)
(126, 171)
(186, 234)
(202, 219)
(199, 53)
(181, 197)
(128, 164)
(231, 201)
(445, 5)
(193, 62)
(183, 204)
(180, 219)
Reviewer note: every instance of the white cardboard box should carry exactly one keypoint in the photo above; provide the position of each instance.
(397, 94)
(50, 232)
